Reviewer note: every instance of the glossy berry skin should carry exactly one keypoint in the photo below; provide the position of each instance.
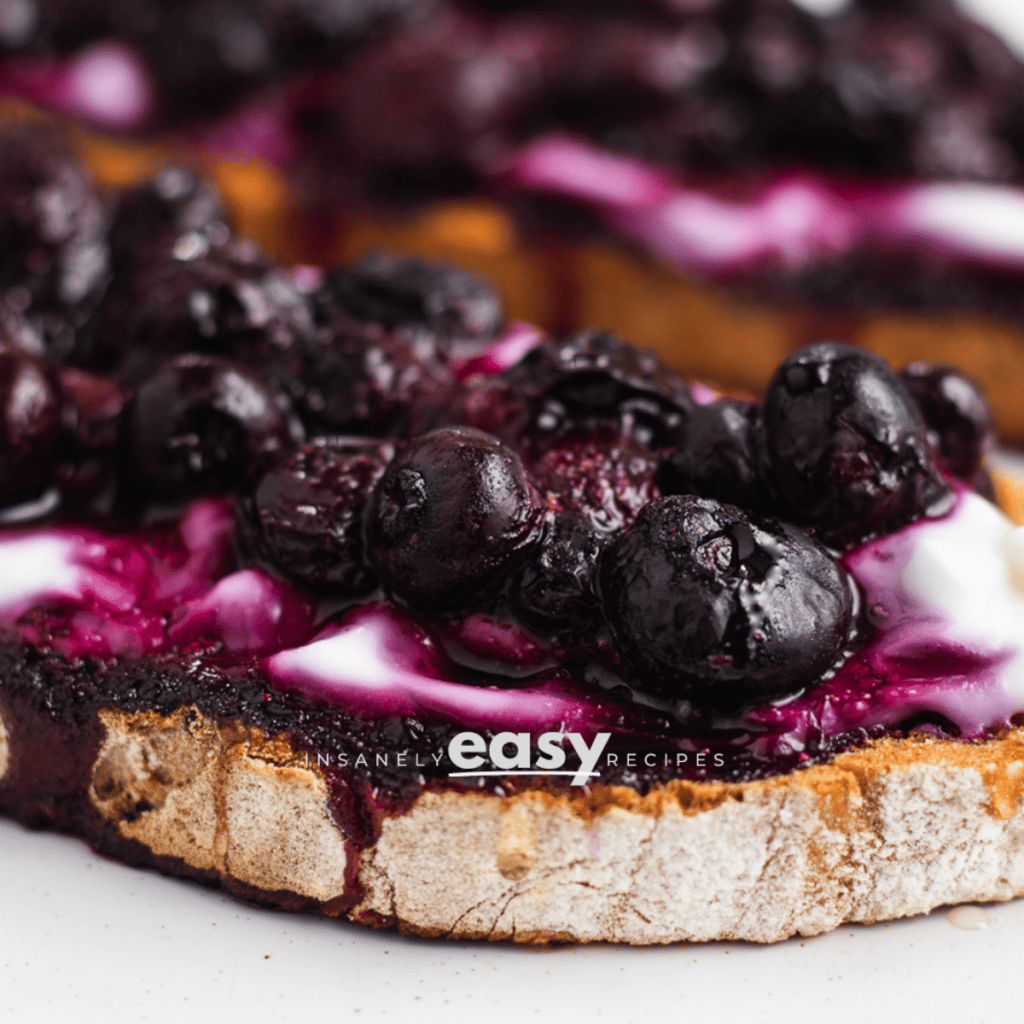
(955, 413)
(201, 424)
(92, 407)
(306, 514)
(457, 306)
(30, 425)
(54, 253)
(595, 382)
(352, 376)
(450, 516)
(720, 455)
(718, 607)
(555, 590)
(229, 301)
(848, 450)
(176, 203)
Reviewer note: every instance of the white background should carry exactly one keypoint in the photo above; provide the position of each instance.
(84, 939)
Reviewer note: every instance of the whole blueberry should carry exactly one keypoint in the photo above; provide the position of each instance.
(91, 412)
(201, 424)
(848, 450)
(720, 455)
(307, 513)
(203, 55)
(450, 515)
(351, 376)
(175, 205)
(457, 306)
(54, 252)
(229, 301)
(955, 411)
(597, 382)
(719, 607)
(30, 425)
(555, 590)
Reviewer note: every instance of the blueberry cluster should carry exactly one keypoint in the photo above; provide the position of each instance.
(688, 550)
(842, 446)
(151, 354)
(421, 94)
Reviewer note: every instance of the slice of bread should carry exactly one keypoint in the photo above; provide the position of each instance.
(895, 828)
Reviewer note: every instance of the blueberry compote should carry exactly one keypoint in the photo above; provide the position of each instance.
(419, 533)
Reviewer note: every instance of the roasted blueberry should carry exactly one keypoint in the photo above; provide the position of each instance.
(307, 34)
(307, 512)
(596, 381)
(848, 449)
(201, 424)
(204, 54)
(720, 455)
(459, 307)
(30, 426)
(450, 515)
(423, 108)
(555, 590)
(229, 301)
(719, 608)
(955, 411)
(91, 412)
(54, 256)
(176, 208)
(352, 376)
(604, 479)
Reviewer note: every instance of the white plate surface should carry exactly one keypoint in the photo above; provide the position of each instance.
(85, 939)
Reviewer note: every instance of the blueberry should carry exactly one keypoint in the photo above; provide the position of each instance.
(848, 450)
(201, 424)
(604, 479)
(595, 381)
(555, 591)
(176, 205)
(54, 255)
(306, 34)
(30, 426)
(351, 376)
(955, 411)
(204, 54)
(307, 512)
(422, 109)
(719, 607)
(450, 515)
(91, 413)
(457, 306)
(719, 455)
(229, 301)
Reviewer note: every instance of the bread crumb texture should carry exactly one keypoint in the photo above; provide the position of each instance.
(893, 829)
(222, 799)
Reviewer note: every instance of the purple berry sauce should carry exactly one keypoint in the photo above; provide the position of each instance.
(174, 593)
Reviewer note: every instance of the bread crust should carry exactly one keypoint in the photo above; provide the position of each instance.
(895, 828)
